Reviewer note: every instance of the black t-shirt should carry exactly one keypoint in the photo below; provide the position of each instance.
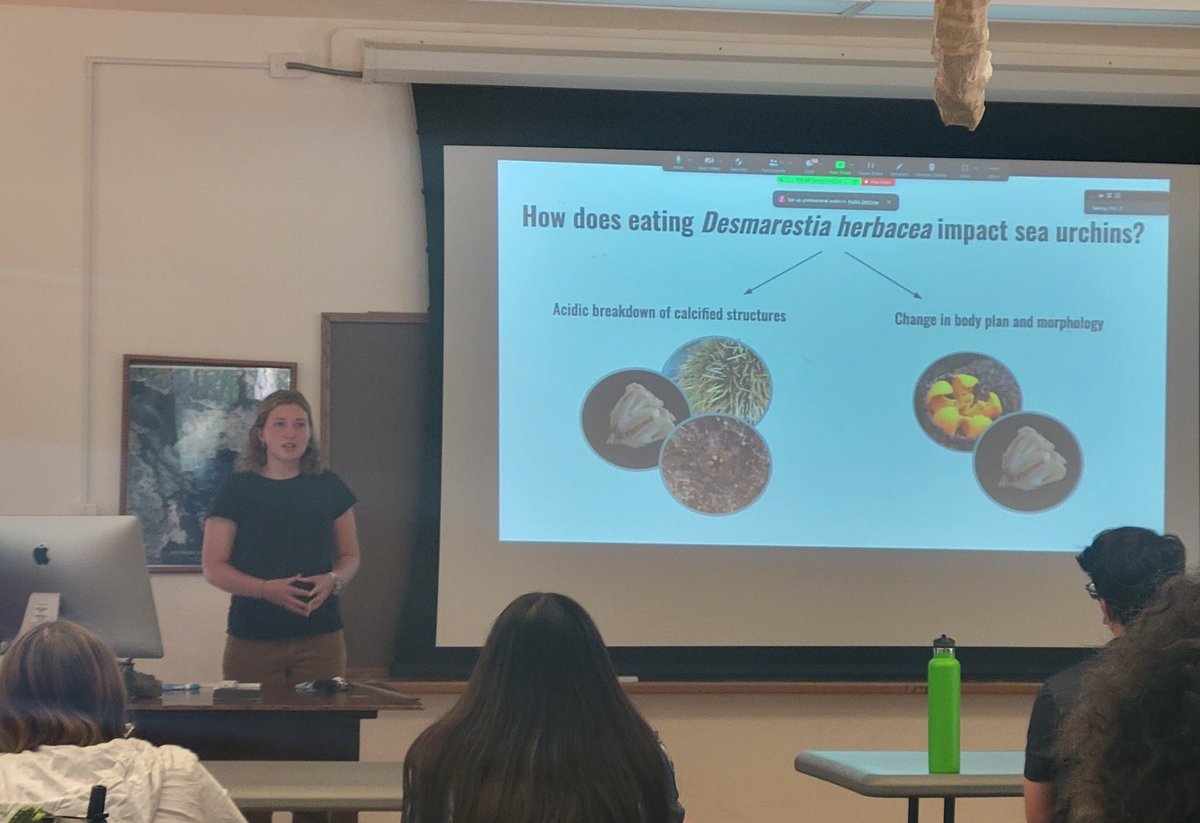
(1044, 761)
(284, 527)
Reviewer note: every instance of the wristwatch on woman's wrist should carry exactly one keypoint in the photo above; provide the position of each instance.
(338, 583)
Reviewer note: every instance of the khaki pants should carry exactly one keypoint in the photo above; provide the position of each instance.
(281, 664)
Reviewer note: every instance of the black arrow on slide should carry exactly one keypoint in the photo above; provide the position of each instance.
(781, 274)
(884, 276)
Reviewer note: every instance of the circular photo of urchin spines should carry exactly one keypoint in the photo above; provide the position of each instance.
(959, 396)
(721, 375)
(628, 414)
(715, 464)
(1028, 462)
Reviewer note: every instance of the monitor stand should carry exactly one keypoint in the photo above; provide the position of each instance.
(43, 607)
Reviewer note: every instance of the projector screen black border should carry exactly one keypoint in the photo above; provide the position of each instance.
(587, 118)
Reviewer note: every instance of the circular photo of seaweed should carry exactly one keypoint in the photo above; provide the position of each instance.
(628, 414)
(720, 375)
(1028, 462)
(961, 395)
(715, 464)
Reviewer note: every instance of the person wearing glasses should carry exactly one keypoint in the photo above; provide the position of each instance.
(1126, 567)
(1136, 727)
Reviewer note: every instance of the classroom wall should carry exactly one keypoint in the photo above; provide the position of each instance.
(171, 198)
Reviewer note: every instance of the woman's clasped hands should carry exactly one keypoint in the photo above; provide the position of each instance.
(298, 594)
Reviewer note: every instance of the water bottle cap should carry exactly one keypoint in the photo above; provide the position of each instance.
(943, 642)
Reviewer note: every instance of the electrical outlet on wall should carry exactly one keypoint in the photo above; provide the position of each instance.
(278, 65)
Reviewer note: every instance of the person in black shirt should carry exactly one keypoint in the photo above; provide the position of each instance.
(1127, 566)
(1135, 732)
(281, 538)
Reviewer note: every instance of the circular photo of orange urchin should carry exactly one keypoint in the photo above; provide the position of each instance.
(715, 464)
(958, 397)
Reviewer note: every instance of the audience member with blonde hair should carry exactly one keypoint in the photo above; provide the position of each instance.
(62, 731)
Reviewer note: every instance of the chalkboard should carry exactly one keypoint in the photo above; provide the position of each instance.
(374, 417)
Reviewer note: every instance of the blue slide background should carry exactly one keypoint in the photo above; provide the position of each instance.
(851, 466)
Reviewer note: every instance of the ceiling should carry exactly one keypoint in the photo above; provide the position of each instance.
(1105, 13)
(1122, 12)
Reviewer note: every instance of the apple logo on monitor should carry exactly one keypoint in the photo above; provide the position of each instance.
(41, 555)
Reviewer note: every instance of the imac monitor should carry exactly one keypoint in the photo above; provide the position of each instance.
(97, 565)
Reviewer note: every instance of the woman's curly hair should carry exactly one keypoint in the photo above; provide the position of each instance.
(1134, 737)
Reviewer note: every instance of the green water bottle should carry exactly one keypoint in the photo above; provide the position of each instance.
(945, 681)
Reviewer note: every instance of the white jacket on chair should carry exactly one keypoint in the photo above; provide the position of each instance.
(145, 783)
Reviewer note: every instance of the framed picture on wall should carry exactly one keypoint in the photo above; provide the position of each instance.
(183, 423)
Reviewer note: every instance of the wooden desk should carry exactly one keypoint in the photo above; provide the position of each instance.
(281, 726)
(261, 785)
(906, 774)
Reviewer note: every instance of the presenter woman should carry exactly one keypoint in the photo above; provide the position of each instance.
(281, 539)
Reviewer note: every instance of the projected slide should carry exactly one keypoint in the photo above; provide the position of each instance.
(828, 352)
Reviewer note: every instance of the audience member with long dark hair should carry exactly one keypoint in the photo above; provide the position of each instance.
(62, 731)
(543, 733)
(1135, 733)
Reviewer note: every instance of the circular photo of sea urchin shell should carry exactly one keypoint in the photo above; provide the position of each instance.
(628, 414)
(1028, 462)
(715, 464)
(720, 375)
